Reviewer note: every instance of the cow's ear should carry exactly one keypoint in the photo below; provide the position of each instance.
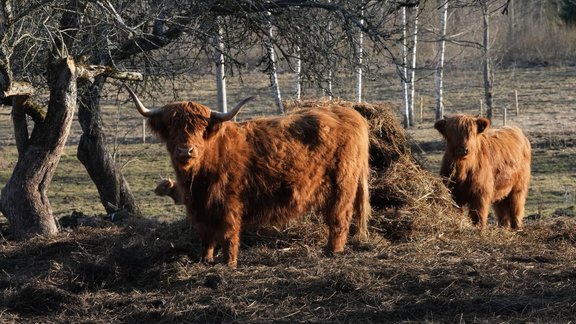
(483, 124)
(158, 127)
(212, 128)
(440, 125)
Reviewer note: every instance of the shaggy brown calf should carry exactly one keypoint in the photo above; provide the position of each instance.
(266, 170)
(484, 166)
(167, 187)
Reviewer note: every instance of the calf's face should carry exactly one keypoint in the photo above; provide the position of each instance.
(461, 133)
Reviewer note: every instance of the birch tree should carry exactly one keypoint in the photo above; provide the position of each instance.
(359, 50)
(298, 75)
(412, 76)
(486, 59)
(404, 75)
(220, 67)
(271, 68)
(439, 74)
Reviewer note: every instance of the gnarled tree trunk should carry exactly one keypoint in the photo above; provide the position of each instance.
(24, 198)
(94, 154)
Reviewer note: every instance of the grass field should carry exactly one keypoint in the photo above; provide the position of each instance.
(147, 270)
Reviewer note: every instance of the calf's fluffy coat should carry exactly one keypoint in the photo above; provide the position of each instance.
(266, 170)
(484, 166)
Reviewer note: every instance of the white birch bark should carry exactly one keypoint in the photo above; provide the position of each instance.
(328, 91)
(359, 52)
(486, 60)
(220, 68)
(298, 71)
(405, 68)
(411, 88)
(275, 87)
(439, 75)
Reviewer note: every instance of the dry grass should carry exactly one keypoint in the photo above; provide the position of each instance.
(149, 273)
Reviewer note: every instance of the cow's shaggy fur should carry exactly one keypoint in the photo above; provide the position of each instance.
(484, 166)
(267, 170)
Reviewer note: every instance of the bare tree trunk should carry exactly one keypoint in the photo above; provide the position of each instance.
(328, 91)
(93, 153)
(439, 76)
(405, 69)
(272, 68)
(220, 68)
(298, 71)
(411, 88)
(486, 60)
(359, 53)
(24, 198)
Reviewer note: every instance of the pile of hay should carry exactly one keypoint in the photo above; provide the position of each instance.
(408, 201)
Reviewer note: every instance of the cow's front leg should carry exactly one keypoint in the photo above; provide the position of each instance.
(231, 242)
(208, 243)
(231, 247)
(478, 210)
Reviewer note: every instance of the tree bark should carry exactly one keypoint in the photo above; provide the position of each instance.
(272, 73)
(411, 88)
(404, 76)
(220, 68)
(298, 77)
(486, 60)
(24, 198)
(359, 52)
(439, 76)
(93, 153)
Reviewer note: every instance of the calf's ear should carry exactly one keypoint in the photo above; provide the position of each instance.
(440, 126)
(482, 124)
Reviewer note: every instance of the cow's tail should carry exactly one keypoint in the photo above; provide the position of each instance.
(362, 208)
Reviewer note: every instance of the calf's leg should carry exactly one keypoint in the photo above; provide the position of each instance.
(516, 207)
(478, 210)
(502, 211)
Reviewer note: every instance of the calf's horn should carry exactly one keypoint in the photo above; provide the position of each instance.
(143, 110)
(225, 116)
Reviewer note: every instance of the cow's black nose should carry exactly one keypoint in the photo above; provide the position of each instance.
(184, 152)
(462, 151)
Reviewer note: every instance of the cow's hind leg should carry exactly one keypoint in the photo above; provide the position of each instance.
(338, 218)
(517, 204)
(502, 211)
(513, 210)
(362, 207)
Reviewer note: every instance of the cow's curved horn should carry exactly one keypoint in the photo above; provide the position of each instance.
(225, 116)
(143, 110)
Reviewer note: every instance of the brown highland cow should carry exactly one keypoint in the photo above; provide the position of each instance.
(484, 166)
(266, 170)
